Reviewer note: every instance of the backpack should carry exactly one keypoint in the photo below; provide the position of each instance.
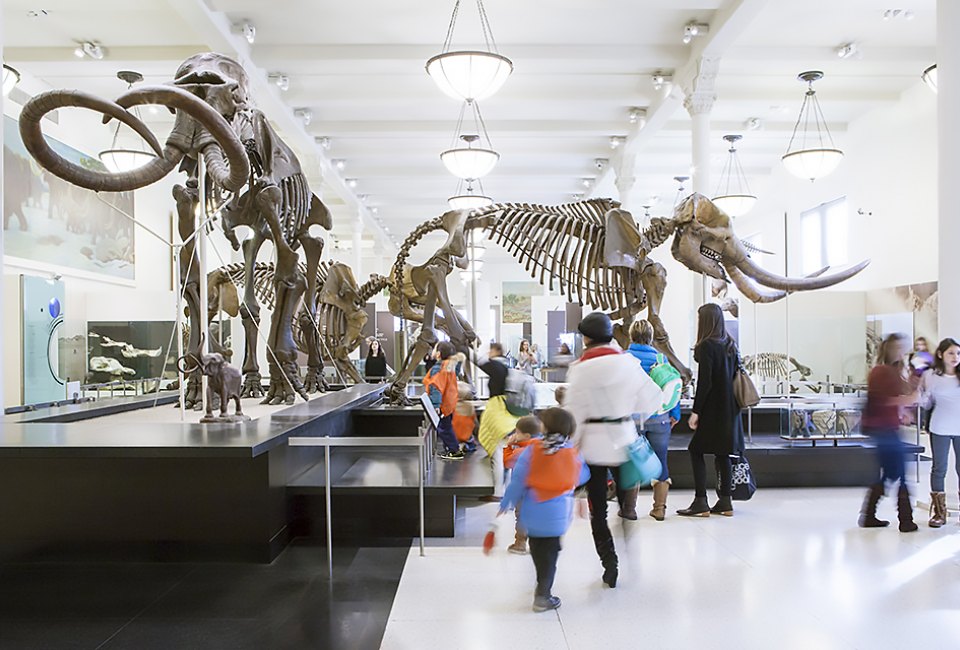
(520, 392)
(669, 380)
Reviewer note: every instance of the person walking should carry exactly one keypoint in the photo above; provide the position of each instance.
(497, 422)
(715, 419)
(940, 392)
(656, 428)
(606, 388)
(887, 391)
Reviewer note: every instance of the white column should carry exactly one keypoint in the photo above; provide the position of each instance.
(948, 159)
(625, 179)
(7, 309)
(358, 250)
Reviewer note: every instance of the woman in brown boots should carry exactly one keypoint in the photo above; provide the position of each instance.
(887, 391)
(940, 391)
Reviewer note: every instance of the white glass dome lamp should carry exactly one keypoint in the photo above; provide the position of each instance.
(733, 194)
(121, 159)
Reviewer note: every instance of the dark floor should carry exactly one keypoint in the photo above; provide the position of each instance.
(286, 604)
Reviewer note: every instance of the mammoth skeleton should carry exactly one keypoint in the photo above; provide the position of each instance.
(595, 254)
(255, 180)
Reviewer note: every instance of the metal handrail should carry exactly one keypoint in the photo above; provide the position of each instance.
(364, 441)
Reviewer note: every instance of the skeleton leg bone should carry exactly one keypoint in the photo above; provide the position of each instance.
(654, 279)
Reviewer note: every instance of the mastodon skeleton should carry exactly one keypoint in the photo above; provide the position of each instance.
(595, 254)
(775, 365)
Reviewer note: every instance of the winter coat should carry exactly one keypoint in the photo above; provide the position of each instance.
(647, 355)
(440, 383)
(607, 384)
(550, 518)
(719, 430)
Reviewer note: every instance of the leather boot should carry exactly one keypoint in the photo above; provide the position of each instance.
(660, 490)
(723, 506)
(628, 509)
(938, 509)
(608, 558)
(698, 508)
(868, 513)
(519, 546)
(905, 511)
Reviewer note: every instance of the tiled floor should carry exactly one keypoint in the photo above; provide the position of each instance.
(789, 570)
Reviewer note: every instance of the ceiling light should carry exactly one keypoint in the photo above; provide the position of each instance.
(636, 115)
(660, 79)
(10, 79)
(929, 77)
(693, 29)
(470, 74)
(323, 141)
(351, 183)
(577, 196)
(121, 159)
(362, 197)
(339, 163)
(281, 80)
(601, 163)
(478, 157)
(905, 14)
(586, 182)
(616, 141)
(467, 200)
(680, 188)
(38, 13)
(753, 124)
(89, 49)
(733, 194)
(847, 50)
(247, 30)
(375, 211)
(305, 114)
(817, 156)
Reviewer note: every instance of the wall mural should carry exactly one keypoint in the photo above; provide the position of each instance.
(48, 220)
(911, 309)
(518, 301)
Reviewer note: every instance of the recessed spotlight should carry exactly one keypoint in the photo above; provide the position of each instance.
(89, 49)
(351, 183)
(637, 115)
(281, 80)
(616, 141)
(339, 163)
(586, 182)
(38, 13)
(753, 124)
(323, 141)
(247, 30)
(305, 114)
(694, 29)
(905, 14)
(847, 50)
(601, 163)
(660, 79)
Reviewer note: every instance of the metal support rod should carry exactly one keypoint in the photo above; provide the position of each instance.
(919, 413)
(421, 472)
(326, 472)
(201, 248)
(178, 330)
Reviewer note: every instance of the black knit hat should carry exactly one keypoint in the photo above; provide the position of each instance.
(597, 327)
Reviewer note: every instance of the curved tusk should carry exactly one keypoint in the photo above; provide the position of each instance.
(233, 173)
(774, 281)
(31, 132)
(750, 290)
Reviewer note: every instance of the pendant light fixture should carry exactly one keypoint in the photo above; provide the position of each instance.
(469, 75)
(119, 159)
(811, 152)
(475, 158)
(929, 77)
(467, 200)
(733, 193)
(10, 79)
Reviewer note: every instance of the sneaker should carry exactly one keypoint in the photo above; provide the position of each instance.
(545, 603)
(452, 455)
(517, 548)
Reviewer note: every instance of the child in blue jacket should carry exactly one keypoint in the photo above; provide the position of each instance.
(542, 486)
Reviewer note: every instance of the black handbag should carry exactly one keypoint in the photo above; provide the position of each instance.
(742, 479)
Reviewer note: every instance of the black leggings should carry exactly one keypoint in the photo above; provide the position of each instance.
(544, 551)
(724, 468)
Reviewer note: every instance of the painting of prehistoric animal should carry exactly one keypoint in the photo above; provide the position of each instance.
(253, 179)
(49, 222)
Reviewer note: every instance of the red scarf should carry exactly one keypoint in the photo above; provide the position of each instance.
(598, 351)
(552, 475)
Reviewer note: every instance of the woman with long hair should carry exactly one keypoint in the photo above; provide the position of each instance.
(715, 419)
(940, 391)
(887, 391)
(526, 359)
(375, 367)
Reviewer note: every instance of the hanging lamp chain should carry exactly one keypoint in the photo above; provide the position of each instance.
(811, 105)
(484, 27)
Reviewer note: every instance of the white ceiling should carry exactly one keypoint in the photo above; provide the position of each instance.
(579, 67)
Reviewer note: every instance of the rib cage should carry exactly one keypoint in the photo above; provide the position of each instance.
(263, 279)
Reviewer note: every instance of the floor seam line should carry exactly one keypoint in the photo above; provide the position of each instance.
(151, 604)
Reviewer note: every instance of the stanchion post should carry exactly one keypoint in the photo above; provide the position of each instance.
(326, 472)
(421, 469)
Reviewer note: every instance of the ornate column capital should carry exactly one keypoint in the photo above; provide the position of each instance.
(699, 93)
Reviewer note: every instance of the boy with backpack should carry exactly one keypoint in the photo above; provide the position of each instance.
(440, 383)
(542, 490)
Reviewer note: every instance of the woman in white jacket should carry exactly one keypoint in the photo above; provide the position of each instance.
(606, 389)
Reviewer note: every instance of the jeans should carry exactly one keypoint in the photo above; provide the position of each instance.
(724, 468)
(597, 496)
(446, 435)
(657, 431)
(890, 453)
(941, 458)
(544, 551)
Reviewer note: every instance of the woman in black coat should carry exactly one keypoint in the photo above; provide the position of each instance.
(716, 415)
(376, 364)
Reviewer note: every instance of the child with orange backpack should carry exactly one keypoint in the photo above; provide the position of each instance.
(440, 383)
(465, 418)
(542, 486)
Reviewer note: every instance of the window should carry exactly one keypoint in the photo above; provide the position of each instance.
(823, 236)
